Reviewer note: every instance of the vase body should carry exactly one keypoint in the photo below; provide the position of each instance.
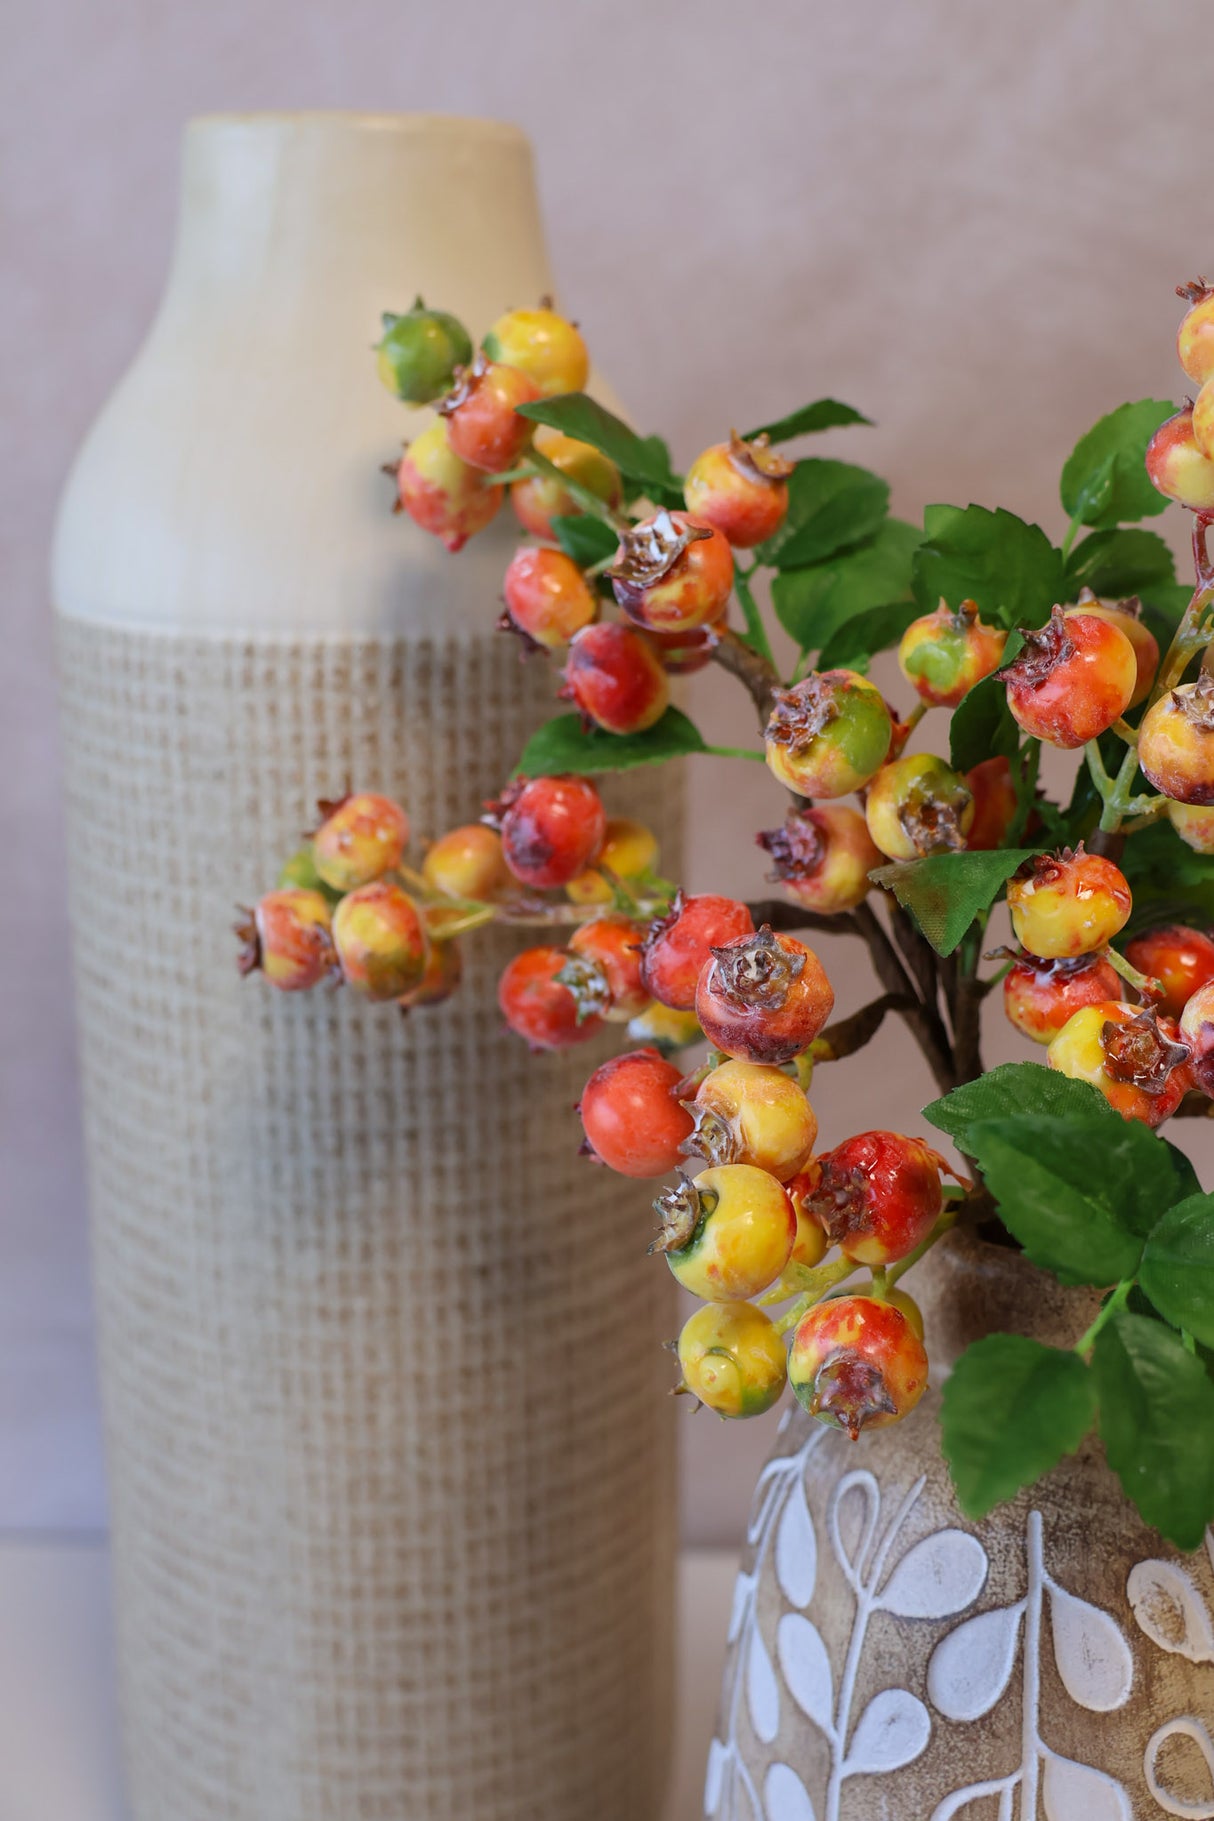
(379, 1553)
(889, 1659)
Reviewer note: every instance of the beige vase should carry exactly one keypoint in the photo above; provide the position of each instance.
(891, 1661)
(390, 1456)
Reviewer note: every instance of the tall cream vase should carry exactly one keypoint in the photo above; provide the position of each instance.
(391, 1469)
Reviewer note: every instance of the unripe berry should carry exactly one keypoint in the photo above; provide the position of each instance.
(441, 493)
(1194, 823)
(1068, 903)
(945, 653)
(728, 1234)
(631, 1114)
(616, 678)
(828, 734)
(1177, 466)
(823, 856)
(1133, 1056)
(856, 1363)
(748, 1112)
(878, 1196)
(811, 1244)
(763, 998)
(361, 838)
(382, 941)
(539, 499)
(548, 599)
(535, 1004)
(483, 427)
(419, 353)
(1179, 958)
(551, 828)
(1127, 617)
(1195, 338)
(611, 948)
(1176, 742)
(667, 1030)
(732, 1359)
(990, 785)
(1197, 1030)
(917, 805)
(544, 346)
(679, 944)
(673, 574)
(1040, 996)
(443, 972)
(467, 862)
(1203, 420)
(740, 489)
(1074, 678)
(289, 937)
(629, 849)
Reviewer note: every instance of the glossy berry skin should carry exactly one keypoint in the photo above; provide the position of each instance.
(667, 1030)
(811, 1244)
(616, 678)
(540, 498)
(1068, 903)
(672, 573)
(1203, 420)
(629, 849)
(382, 941)
(544, 346)
(828, 735)
(483, 427)
(613, 946)
(360, 839)
(679, 944)
(1181, 959)
(857, 1364)
(763, 998)
(748, 1112)
(945, 653)
(728, 1234)
(419, 353)
(683, 653)
(1176, 742)
(1040, 996)
(1146, 645)
(1136, 1059)
(631, 1114)
(1073, 679)
(1194, 823)
(1197, 1030)
(441, 493)
(823, 856)
(551, 828)
(537, 1007)
(990, 785)
(740, 489)
(732, 1359)
(548, 599)
(917, 805)
(1177, 465)
(443, 972)
(1195, 337)
(467, 862)
(290, 939)
(878, 1196)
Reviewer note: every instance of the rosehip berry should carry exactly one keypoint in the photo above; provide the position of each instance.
(1176, 742)
(289, 937)
(419, 353)
(732, 1359)
(483, 427)
(1074, 678)
(629, 849)
(906, 1305)
(1197, 1030)
(1176, 465)
(1068, 903)
(990, 785)
(828, 734)
(631, 1114)
(673, 574)
(608, 971)
(878, 1196)
(679, 944)
(917, 805)
(1195, 338)
(946, 652)
(444, 970)
(360, 838)
(811, 1244)
(616, 678)
(748, 1112)
(548, 599)
(728, 1234)
(856, 1363)
(1134, 1056)
(1194, 823)
(300, 870)
(763, 998)
(1127, 617)
(683, 653)
(1203, 420)
(551, 828)
(823, 857)
(1040, 996)
(740, 488)
(382, 941)
(539, 499)
(667, 1030)
(441, 493)
(535, 1004)
(1181, 959)
(544, 346)
(467, 862)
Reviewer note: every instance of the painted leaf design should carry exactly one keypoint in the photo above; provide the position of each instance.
(970, 1668)
(1196, 1808)
(894, 1730)
(797, 1549)
(1093, 1657)
(1004, 1788)
(806, 1669)
(714, 1775)
(941, 1575)
(785, 1797)
(743, 1587)
(762, 1691)
(1170, 1611)
(1070, 1790)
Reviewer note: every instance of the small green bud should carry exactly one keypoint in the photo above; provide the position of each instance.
(419, 353)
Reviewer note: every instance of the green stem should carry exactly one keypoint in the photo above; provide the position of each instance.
(1146, 984)
(811, 1286)
(1072, 531)
(756, 632)
(734, 752)
(1026, 792)
(1117, 1301)
(588, 500)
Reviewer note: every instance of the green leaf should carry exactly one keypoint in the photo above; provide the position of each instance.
(1014, 1087)
(1115, 564)
(563, 745)
(1011, 1409)
(1009, 567)
(1167, 878)
(1178, 1267)
(858, 639)
(1105, 480)
(1163, 607)
(830, 505)
(812, 604)
(585, 538)
(945, 892)
(1157, 1425)
(982, 723)
(823, 414)
(641, 458)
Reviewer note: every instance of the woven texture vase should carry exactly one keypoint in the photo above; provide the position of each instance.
(391, 1463)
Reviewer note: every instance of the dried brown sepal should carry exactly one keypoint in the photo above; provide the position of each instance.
(1140, 1053)
(713, 1139)
(851, 1392)
(496, 807)
(797, 848)
(757, 459)
(527, 645)
(1196, 291)
(758, 971)
(680, 1211)
(249, 958)
(1044, 649)
(801, 713)
(1047, 869)
(588, 984)
(1197, 703)
(931, 824)
(650, 551)
(839, 1203)
(467, 380)
(328, 806)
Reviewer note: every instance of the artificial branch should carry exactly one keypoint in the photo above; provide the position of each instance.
(752, 670)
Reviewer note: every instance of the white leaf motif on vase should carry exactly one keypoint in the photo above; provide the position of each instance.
(806, 1669)
(785, 1797)
(1170, 1611)
(1197, 1734)
(1093, 1657)
(1072, 1791)
(894, 1730)
(762, 1690)
(714, 1776)
(971, 1668)
(796, 1550)
(743, 1588)
(937, 1578)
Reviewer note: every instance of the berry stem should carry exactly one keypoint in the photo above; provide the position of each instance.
(925, 1025)
(734, 752)
(1116, 1302)
(813, 1285)
(1146, 984)
(756, 632)
(906, 729)
(847, 1035)
(1072, 532)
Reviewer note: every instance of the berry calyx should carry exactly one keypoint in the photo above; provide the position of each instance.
(856, 1363)
(1177, 465)
(740, 488)
(382, 941)
(483, 427)
(943, 654)
(878, 1196)
(359, 839)
(537, 1006)
(990, 785)
(672, 573)
(616, 678)
(1197, 1030)
(1127, 617)
(548, 599)
(551, 828)
(419, 353)
(1195, 337)
(289, 937)
(629, 851)
(467, 862)
(1179, 958)
(1040, 996)
(539, 498)
(827, 735)
(917, 805)
(726, 1235)
(680, 943)
(823, 856)
(733, 1359)
(631, 1114)
(1176, 742)
(612, 945)
(1075, 676)
(763, 997)
(749, 1112)
(543, 345)
(1136, 1058)
(1068, 903)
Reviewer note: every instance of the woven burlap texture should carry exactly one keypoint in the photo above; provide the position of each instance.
(390, 1454)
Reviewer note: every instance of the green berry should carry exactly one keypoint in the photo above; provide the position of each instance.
(419, 353)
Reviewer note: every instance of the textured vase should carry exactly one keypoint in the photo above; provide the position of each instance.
(891, 1661)
(383, 1549)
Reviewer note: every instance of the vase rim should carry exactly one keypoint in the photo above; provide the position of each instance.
(463, 126)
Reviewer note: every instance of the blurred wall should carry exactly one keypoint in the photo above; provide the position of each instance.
(966, 220)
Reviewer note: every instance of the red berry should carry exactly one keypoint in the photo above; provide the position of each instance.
(1177, 465)
(551, 828)
(740, 489)
(672, 573)
(763, 997)
(1040, 996)
(382, 940)
(441, 493)
(828, 735)
(483, 427)
(1136, 1058)
(611, 947)
(289, 936)
(540, 498)
(856, 1363)
(616, 678)
(684, 652)
(548, 599)
(823, 857)
(1197, 1030)
(361, 838)
(535, 1004)
(679, 944)
(1074, 678)
(631, 1114)
(990, 785)
(946, 652)
(1068, 903)
(1195, 337)
(1127, 617)
(878, 1196)
(1176, 742)
(1181, 959)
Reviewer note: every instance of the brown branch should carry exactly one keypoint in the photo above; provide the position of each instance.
(926, 1028)
(847, 1035)
(791, 917)
(753, 671)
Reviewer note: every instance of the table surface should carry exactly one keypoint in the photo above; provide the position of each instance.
(58, 1728)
